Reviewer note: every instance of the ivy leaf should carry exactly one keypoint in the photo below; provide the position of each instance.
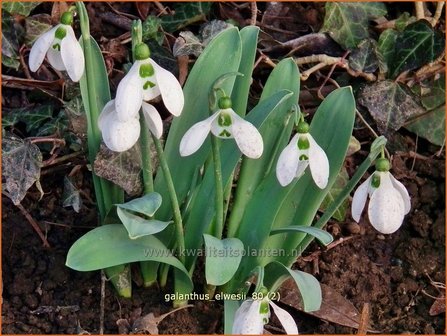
(385, 47)
(364, 58)
(391, 104)
(36, 119)
(339, 184)
(71, 196)
(20, 7)
(348, 22)
(54, 126)
(35, 26)
(211, 29)
(187, 44)
(21, 161)
(10, 43)
(151, 29)
(185, 14)
(431, 125)
(417, 45)
(123, 168)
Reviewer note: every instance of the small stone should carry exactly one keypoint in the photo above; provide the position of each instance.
(380, 237)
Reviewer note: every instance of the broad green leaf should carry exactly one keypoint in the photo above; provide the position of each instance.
(222, 259)
(275, 137)
(202, 209)
(230, 307)
(364, 57)
(273, 206)
(95, 83)
(21, 163)
(146, 205)
(71, 196)
(110, 245)
(391, 104)
(137, 226)
(337, 187)
(211, 64)
(241, 89)
(35, 26)
(417, 45)
(386, 46)
(20, 7)
(308, 286)
(185, 14)
(348, 22)
(323, 236)
(430, 126)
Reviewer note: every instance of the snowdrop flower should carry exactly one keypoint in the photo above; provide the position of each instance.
(224, 124)
(62, 49)
(119, 119)
(302, 151)
(252, 315)
(389, 200)
(145, 81)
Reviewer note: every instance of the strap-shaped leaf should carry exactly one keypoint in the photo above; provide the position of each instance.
(221, 56)
(222, 259)
(110, 245)
(146, 205)
(323, 236)
(308, 286)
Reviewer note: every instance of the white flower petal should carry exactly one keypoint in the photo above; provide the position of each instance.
(106, 112)
(286, 319)
(247, 137)
(72, 55)
(120, 136)
(301, 167)
(288, 161)
(55, 59)
(129, 94)
(196, 135)
(403, 193)
(40, 48)
(359, 199)
(386, 208)
(170, 89)
(153, 120)
(247, 320)
(318, 162)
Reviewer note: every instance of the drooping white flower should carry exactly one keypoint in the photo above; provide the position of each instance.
(389, 200)
(224, 124)
(302, 151)
(145, 81)
(120, 136)
(252, 315)
(62, 49)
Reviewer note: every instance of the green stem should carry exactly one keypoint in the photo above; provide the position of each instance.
(146, 162)
(219, 188)
(172, 194)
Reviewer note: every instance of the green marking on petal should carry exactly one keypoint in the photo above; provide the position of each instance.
(60, 33)
(264, 308)
(225, 133)
(304, 157)
(146, 70)
(303, 143)
(148, 85)
(57, 47)
(375, 181)
(224, 120)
